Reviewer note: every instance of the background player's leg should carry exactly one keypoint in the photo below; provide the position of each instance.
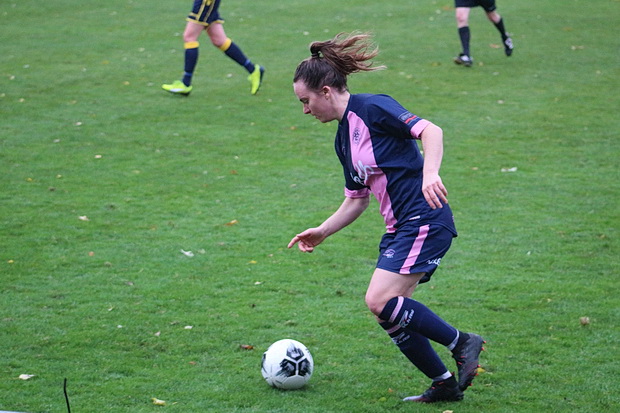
(462, 24)
(190, 39)
(231, 49)
(191, 44)
(498, 22)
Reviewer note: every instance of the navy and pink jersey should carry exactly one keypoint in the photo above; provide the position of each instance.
(375, 144)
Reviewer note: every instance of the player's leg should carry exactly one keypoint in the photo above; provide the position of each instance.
(191, 45)
(196, 23)
(462, 24)
(409, 257)
(386, 298)
(224, 43)
(232, 50)
(498, 22)
(190, 40)
(402, 317)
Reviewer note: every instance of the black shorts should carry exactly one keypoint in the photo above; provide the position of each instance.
(414, 249)
(487, 5)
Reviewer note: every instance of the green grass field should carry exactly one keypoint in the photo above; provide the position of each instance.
(106, 179)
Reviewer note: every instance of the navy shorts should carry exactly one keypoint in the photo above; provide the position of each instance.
(487, 5)
(414, 249)
(205, 12)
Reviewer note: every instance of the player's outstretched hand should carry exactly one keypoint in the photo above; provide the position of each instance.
(307, 240)
(434, 191)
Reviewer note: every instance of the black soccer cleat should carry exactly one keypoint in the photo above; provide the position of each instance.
(467, 356)
(440, 391)
(463, 59)
(508, 46)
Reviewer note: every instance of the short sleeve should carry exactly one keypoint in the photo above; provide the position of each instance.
(390, 118)
(356, 193)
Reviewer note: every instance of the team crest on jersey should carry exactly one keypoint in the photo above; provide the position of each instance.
(408, 118)
(356, 136)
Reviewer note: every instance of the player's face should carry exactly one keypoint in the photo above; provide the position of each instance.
(317, 104)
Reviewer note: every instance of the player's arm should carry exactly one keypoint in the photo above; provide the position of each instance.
(432, 187)
(349, 211)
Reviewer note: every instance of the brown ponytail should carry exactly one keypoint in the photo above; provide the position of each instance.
(331, 61)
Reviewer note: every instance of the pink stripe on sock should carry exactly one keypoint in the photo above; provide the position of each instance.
(399, 305)
(415, 250)
(393, 329)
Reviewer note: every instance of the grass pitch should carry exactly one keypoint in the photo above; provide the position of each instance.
(107, 180)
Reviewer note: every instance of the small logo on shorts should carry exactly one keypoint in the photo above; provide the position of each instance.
(389, 253)
(436, 261)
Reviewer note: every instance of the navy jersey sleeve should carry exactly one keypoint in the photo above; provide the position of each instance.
(390, 118)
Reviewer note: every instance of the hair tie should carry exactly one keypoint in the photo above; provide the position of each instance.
(316, 55)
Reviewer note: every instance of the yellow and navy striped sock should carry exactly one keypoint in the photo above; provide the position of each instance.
(234, 52)
(191, 59)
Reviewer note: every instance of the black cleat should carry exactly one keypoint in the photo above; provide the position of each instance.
(508, 46)
(440, 391)
(466, 356)
(464, 60)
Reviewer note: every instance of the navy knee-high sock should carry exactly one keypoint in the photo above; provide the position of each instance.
(418, 350)
(233, 51)
(414, 316)
(464, 36)
(191, 59)
(500, 27)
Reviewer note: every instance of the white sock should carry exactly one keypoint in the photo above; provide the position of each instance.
(456, 340)
(444, 376)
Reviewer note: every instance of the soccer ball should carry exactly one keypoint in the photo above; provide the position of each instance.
(287, 364)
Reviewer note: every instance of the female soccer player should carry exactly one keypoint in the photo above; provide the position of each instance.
(375, 144)
(205, 16)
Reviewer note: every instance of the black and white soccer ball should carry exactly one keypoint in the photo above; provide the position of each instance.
(287, 364)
